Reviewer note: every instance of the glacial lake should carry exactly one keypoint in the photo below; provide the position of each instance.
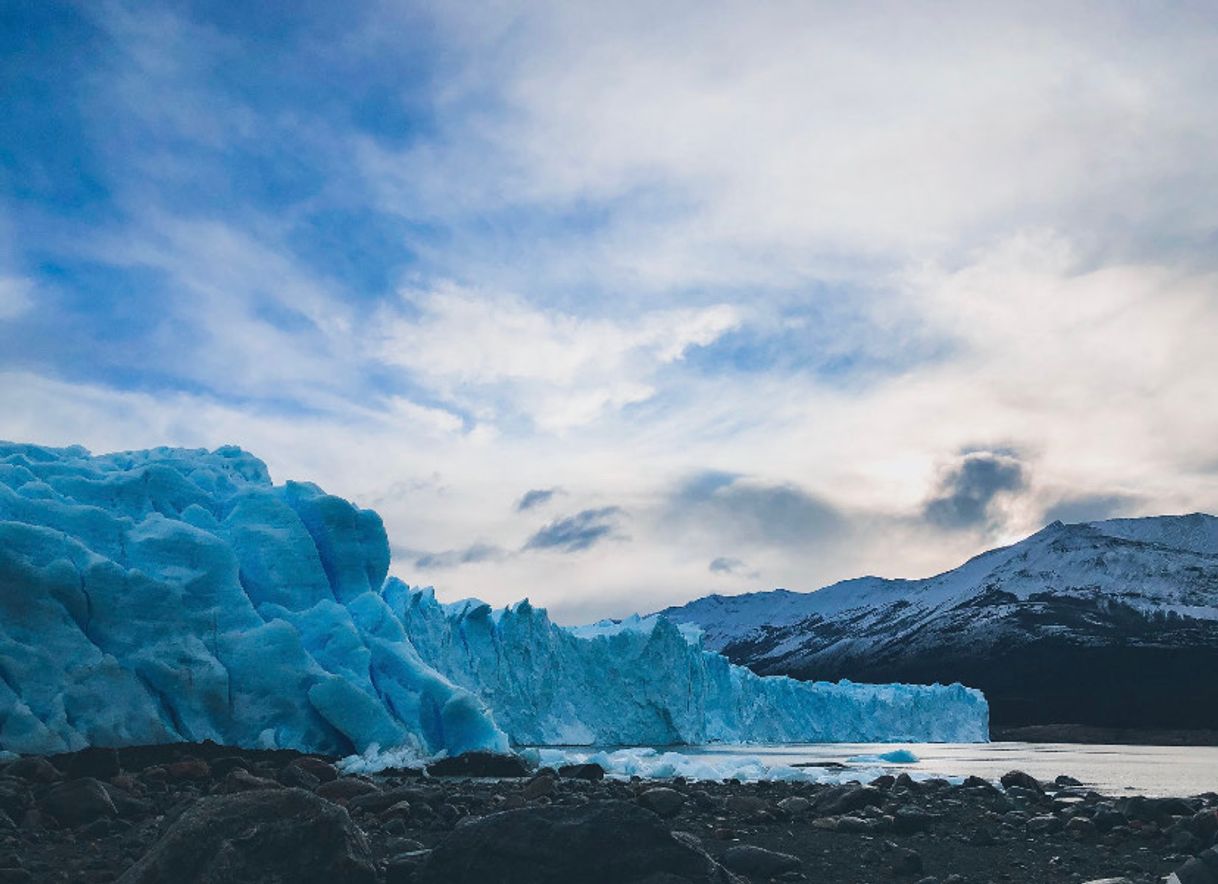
(1147, 770)
(1110, 769)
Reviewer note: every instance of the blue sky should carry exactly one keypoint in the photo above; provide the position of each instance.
(735, 297)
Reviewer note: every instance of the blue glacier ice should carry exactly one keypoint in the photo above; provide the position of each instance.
(165, 595)
(172, 594)
(645, 681)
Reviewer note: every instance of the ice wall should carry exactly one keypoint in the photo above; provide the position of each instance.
(645, 682)
(167, 595)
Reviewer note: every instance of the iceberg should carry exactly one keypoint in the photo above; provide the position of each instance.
(179, 595)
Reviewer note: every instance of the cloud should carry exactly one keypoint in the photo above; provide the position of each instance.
(1092, 507)
(452, 558)
(724, 565)
(15, 297)
(427, 257)
(578, 532)
(535, 497)
(500, 354)
(753, 510)
(967, 492)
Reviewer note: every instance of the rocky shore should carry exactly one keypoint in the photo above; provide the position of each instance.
(210, 814)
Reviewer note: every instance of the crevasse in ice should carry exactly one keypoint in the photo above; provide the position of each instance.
(173, 594)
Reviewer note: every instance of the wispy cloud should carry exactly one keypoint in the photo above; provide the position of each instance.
(535, 497)
(579, 532)
(478, 552)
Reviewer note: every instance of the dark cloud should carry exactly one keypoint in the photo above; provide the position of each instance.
(1091, 508)
(478, 552)
(578, 532)
(968, 490)
(724, 565)
(535, 497)
(782, 515)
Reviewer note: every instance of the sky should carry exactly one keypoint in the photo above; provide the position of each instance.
(614, 305)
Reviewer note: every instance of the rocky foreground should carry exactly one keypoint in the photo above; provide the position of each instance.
(208, 814)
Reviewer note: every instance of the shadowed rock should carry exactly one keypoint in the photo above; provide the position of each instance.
(274, 836)
(614, 842)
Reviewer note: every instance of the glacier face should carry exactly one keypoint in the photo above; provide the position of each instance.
(647, 682)
(165, 595)
(173, 594)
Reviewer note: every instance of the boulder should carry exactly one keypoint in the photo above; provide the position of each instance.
(538, 787)
(592, 772)
(1201, 869)
(77, 802)
(757, 862)
(323, 770)
(279, 836)
(480, 764)
(794, 805)
(240, 780)
(847, 799)
(33, 769)
(345, 789)
(195, 769)
(1021, 779)
(378, 801)
(666, 802)
(611, 842)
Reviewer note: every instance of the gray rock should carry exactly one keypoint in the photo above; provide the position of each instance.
(480, 764)
(611, 842)
(1044, 824)
(908, 820)
(794, 805)
(274, 836)
(343, 790)
(77, 802)
(758, 862)
(848, 799)
(666, 802)
(1080, 826)
(1021, 779)
(538, 788)
(33, 769)
(591, 772)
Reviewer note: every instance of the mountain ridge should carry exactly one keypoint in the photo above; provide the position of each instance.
(1110, 623)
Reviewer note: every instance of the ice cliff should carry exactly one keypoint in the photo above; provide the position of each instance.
(172, 594)
(644, 681)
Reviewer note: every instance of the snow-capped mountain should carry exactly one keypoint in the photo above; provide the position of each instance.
(1110, 623)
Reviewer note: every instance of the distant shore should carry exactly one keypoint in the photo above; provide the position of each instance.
(1091, 734)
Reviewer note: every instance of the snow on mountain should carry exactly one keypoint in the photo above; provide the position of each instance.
(170, 594)
(1104, 620)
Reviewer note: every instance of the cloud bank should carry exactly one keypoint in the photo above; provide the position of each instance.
(808, 292)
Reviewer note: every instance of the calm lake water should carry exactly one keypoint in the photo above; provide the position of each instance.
(1116, 770)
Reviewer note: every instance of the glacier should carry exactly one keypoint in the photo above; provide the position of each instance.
(179, 595)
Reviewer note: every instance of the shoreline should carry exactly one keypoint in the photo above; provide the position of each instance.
(94, 815)
(1091, 735)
